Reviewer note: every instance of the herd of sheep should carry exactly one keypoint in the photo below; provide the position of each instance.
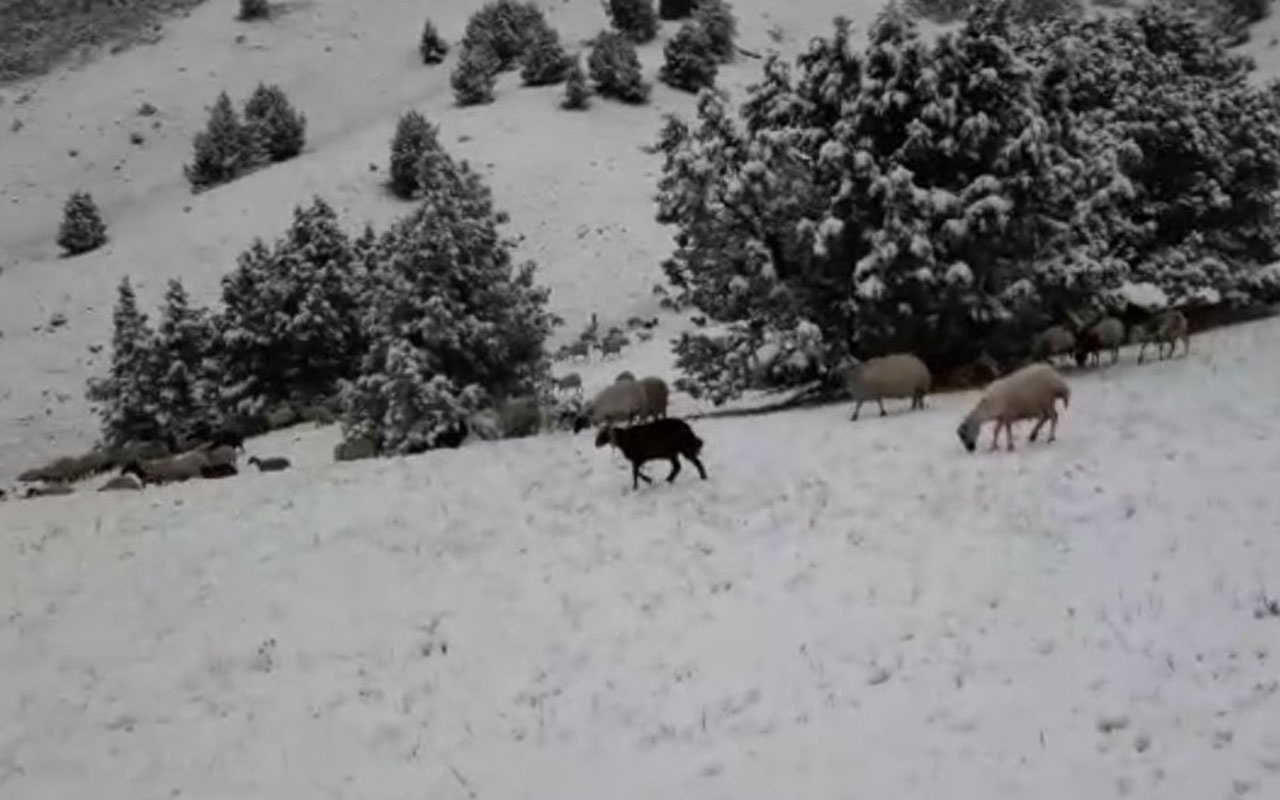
(631, 413)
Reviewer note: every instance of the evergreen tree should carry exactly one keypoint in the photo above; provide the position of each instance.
(290, 328)
(82, 227)
(615, 68)
(690, 64)
(127, 399)
(503, 28)
(254, 9)
(414, 136)
(675, 9)
(474, 76)
(185, 378)
(635, 19)
(279, 129)
(717, 18)
(452, 321)
(577, 94)
(224, 150)
(545, 62)
(432, 46)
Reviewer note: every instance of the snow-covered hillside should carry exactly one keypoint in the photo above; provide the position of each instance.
(842, 610)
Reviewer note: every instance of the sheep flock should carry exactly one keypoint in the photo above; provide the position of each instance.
(630, 414)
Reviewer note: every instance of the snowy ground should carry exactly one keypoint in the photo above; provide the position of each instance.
(843, 610)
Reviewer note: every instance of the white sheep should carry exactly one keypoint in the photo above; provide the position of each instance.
(184, 466)
(627, 400)
(1028, 393)
(124, 482)
(1055, 341)
(1167, 329)
(1105, 334)
(896, 375)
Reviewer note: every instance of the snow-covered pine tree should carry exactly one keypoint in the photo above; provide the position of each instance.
(917, 197)
(279, 128)
(432, 47)
(577, 94)
(82, 228)
(689, 63)
(615, 68)
(634, 19)
(545, 62)
(224, 150)
(717, 18)
(503, 27)
(290, 325)
(675, 9)
(127, 400)
(186, 377)
(453, 322)
(474, 76)
(414, 136)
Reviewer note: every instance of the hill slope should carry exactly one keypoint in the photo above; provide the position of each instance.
(841, 610)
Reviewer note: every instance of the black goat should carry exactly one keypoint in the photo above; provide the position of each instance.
(270, 464)
(666, 439)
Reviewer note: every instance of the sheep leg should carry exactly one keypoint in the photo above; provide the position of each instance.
(694, 460)
(636, 475)
(675, 468)
(1036, 430)
(1008, 435)
(880, 402)
(856, 408)
(1053, 426)
(995, 438)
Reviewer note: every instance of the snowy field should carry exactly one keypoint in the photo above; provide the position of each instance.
(843, 610)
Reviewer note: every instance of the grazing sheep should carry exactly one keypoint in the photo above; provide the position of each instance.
(662, 439)
(655, 397)
(60, 470)
(610, 347)
(629, 400)
(572, 381)
(122, 483)
(269, 464)
(892, 376)
(1105, 334)
(47, 490)
(579, 349)
(218, 471)
(355, 449)
(139, 451)
(1056, 341)
(622, 401)
(1028, 393)
(519, 417)
(1166, 329)
(182, 467)
(320, 415)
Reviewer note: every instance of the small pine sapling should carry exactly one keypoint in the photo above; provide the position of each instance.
(635, 19)
(717, 19)
(690, 64)
(577, 94)
(254, 9)
(82, 227)
(474, 77)
(615, 68)
(414, 137)
(224, 150)
(432, 46)
(280, 130)
(545, 63)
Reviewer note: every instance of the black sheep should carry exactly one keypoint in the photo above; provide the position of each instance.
(667, 439)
